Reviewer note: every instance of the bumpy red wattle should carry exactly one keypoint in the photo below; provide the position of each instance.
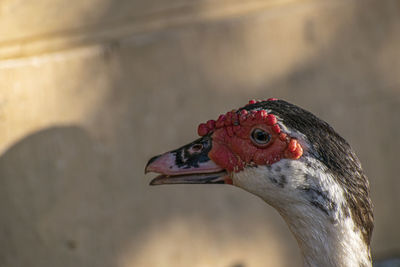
(222, 156)
(294, 150)
(276, 128)
(211, 124)
(202, 129)
(271, 119)
(232, 147)
(235, 152)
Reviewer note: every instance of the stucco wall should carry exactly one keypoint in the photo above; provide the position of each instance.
(89, 91)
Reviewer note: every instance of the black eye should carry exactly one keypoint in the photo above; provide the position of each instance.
(260, 137)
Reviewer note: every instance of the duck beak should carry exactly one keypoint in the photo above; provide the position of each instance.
(189, 164)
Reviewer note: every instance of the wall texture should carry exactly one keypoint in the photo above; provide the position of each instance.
(89, 91)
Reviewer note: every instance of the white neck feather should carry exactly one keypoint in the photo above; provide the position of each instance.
(327, 235)
(323, 243)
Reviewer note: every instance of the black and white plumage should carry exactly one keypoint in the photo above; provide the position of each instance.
(335, 154)
(323, 194)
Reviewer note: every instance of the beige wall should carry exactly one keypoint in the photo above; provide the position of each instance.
(89, 91)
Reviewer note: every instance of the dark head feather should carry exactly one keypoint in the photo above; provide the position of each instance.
(335, 153)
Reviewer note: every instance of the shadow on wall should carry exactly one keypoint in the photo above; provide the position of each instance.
(50, 187)
(66, 207)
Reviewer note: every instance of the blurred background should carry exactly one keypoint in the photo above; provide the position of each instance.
(90, 90)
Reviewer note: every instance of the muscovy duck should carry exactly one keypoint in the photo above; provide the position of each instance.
(296, 163)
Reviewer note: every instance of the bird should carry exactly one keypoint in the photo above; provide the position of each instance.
(295, 162)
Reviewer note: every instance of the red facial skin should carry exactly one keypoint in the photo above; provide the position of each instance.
(233, 148)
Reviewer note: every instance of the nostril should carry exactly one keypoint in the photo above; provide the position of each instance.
(197, 147)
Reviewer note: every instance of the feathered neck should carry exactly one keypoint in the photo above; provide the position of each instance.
(324, 243)
(314, 206)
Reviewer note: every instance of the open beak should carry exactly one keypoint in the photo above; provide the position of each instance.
(189, 164)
